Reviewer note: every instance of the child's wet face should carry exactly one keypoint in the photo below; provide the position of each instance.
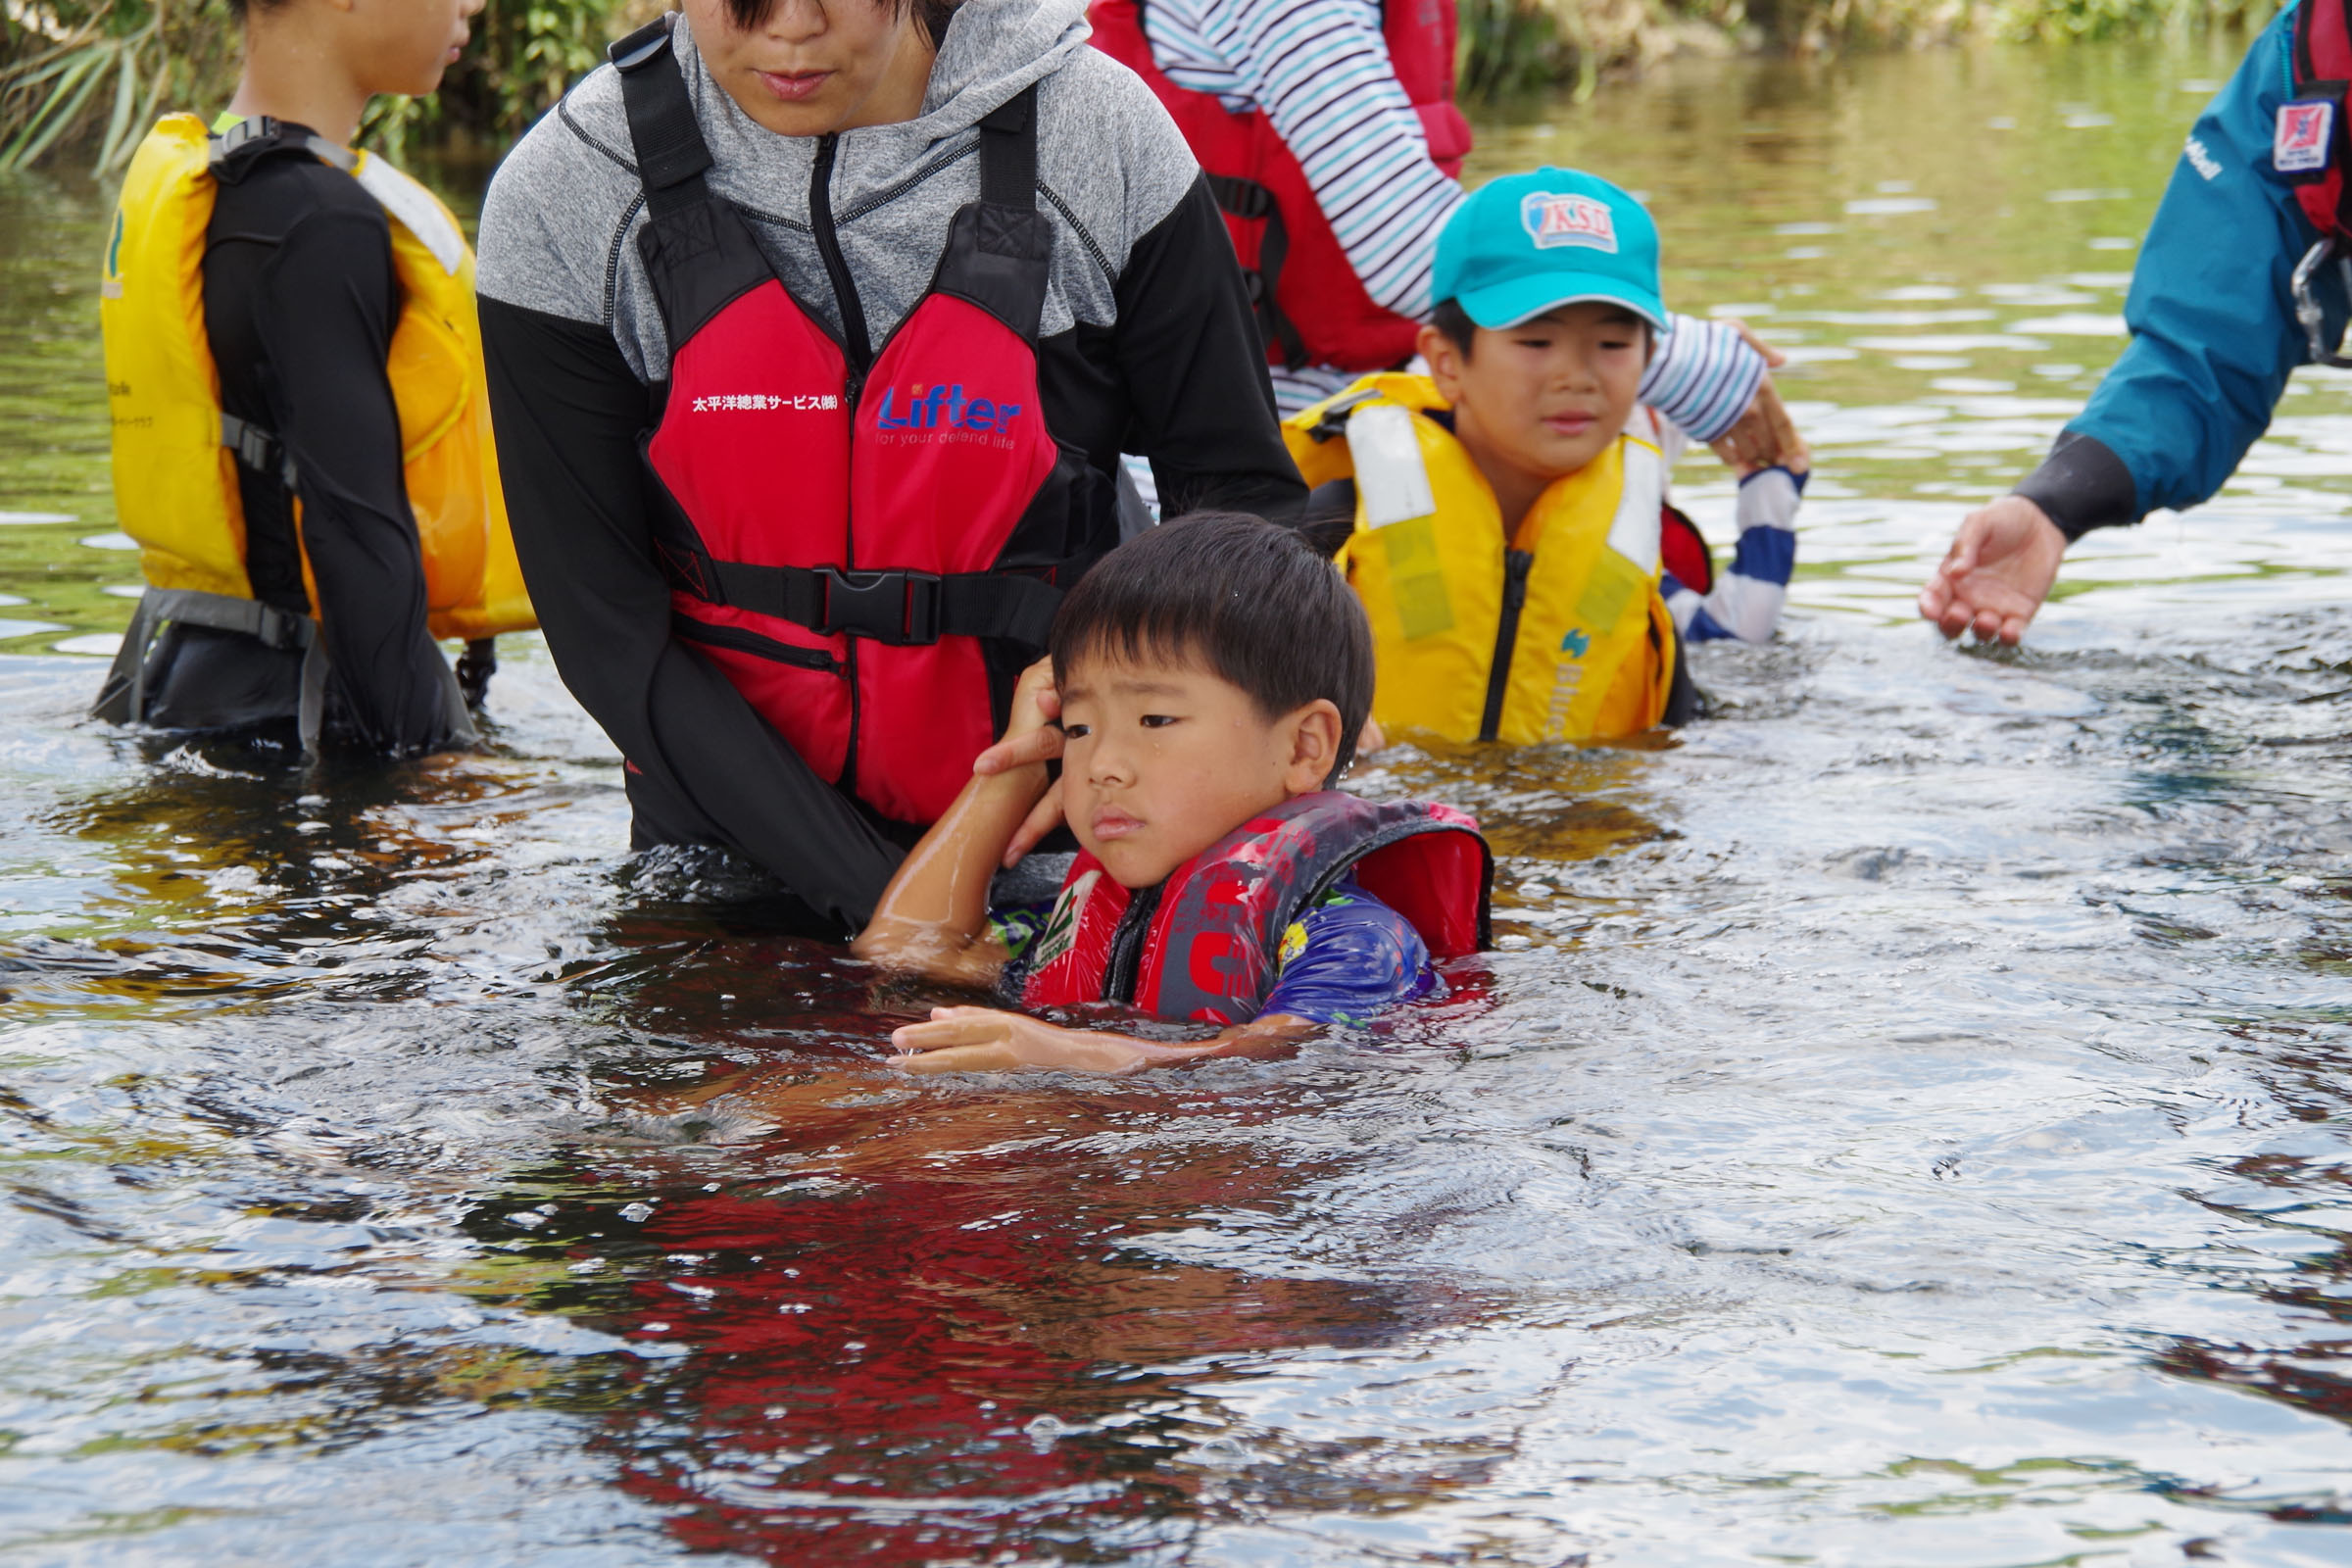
(1161, 761)
(1550, 395)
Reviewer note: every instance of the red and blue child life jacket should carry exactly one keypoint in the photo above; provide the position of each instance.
(1206, 944)
(869, 544)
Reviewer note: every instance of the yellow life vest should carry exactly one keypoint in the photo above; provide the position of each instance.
(1586, 652)
(176, 477)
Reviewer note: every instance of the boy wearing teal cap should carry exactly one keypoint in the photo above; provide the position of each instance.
(1507, 523)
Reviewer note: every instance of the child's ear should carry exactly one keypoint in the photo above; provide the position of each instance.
(1444, 360)
(1314, 747)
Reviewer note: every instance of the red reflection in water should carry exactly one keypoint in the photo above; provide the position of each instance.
(875, 1327)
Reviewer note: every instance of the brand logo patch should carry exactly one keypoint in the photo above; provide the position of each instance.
(1554, 220)
(944, 408)
(2301, 142)
(1061, 926)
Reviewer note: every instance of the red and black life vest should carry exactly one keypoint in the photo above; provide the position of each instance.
(1311, 308)
(2310, 144)
(1206, 944)
(869, 544)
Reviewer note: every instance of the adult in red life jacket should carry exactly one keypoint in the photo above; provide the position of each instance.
(822, 329)
(1332, 141)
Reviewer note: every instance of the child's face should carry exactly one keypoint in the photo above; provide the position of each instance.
(406, 48)
(1548, 396)
(1160, 761)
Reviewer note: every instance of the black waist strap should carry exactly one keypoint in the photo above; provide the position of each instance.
(903, 608)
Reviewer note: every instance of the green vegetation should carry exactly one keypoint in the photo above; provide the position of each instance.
(89, 75)
(79, 78)
(1514, 46)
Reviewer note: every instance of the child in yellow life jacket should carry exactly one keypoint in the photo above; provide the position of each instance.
(1205, 687)
(1508, 535)
(301, 425)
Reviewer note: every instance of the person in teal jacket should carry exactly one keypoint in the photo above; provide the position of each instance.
(2214, 338)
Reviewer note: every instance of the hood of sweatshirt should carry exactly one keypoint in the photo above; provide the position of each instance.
(559, 225)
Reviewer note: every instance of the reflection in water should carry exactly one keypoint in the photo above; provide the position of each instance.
(880, 1337)
(1903, 1123)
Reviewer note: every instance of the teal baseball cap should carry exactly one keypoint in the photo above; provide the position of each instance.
(1530, 243)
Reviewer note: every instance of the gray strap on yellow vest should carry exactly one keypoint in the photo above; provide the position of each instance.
(452, 701)
(258, 449)
(123, 698)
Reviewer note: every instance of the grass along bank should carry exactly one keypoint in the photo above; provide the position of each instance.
(80, 79)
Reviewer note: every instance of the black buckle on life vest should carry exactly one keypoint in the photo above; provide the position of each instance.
(897, 608)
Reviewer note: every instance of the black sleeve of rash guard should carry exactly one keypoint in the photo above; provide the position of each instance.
(567, 410)
(1196, 370)
(325, 333)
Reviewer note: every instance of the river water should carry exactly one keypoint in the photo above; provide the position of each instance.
(1906, 1123)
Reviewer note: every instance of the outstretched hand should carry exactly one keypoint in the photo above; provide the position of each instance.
(1998, 574)
(986, 1040)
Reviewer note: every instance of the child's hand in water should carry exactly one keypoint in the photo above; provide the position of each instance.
(985, 1040)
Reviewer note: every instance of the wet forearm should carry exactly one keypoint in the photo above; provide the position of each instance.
(932, 917)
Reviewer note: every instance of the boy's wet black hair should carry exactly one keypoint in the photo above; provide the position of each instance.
(1251, 604)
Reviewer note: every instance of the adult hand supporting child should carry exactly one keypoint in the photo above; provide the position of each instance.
(1998, 572)
(1765, 436)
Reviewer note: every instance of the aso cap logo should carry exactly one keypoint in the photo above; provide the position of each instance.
(1530, 243)
(1552, 219)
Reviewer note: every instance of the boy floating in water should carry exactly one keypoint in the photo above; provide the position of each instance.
(1508, 527)
(1210, 678)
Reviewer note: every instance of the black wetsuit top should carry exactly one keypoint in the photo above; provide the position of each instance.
(298, 301)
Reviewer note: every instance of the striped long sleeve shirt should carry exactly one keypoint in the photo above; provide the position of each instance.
(1319, 70)
(1745, 601)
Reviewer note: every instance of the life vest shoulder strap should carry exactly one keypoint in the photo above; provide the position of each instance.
(2312, 133)
(671, 154)
(261, 130)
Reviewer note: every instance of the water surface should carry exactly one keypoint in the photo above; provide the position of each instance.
(1905, 1123)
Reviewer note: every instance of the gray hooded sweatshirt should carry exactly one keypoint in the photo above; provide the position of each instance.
(1147, 345)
